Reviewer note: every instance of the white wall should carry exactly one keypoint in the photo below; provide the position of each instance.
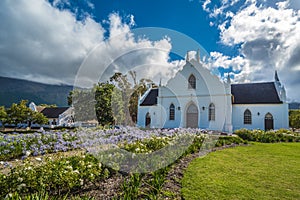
(279, 112)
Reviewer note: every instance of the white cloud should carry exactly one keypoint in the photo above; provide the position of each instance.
(41, 42)
(267, 34)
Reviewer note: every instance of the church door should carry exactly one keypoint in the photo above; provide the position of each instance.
(192, 116)
(269, 122)
(148, 120)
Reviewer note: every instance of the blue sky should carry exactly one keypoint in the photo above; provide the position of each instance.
(51, 41)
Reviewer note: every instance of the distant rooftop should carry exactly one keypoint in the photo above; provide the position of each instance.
(53, 112)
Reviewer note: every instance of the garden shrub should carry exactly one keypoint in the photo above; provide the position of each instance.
(268, 136)
(55, 176)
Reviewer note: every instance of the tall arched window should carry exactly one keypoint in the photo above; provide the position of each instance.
(172, 112)
(247, 117)
(148, 120)
(192, 82)
(211, 112)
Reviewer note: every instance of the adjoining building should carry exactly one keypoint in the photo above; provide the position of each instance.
(198, 99)
(57, 116)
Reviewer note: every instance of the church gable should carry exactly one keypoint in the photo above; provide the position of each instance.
(195, 79)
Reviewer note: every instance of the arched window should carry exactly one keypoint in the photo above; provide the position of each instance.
(192, 82)
(247, 117)
(172, 112)
(148, 120)
(211, 112)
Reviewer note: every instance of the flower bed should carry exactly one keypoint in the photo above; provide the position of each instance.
(61, 175)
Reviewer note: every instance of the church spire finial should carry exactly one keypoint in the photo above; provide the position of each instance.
(276, 76)
(228, 79)
(187, 56)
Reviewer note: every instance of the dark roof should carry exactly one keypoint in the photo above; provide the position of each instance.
(255, 93)
(53, 112)
(151, 98)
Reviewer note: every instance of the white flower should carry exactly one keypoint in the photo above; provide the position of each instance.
(38, 159)
(76, 171)
(69, 167)
(27, 153)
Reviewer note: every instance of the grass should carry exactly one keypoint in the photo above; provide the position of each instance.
(259, 171)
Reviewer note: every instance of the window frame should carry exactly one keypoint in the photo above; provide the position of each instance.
(247, 117)
(192, 82)
(212, 112)
(172, 112)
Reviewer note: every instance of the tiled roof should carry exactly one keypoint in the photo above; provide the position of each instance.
(255, 93)
(249, 93)
(53, 112)
(151, 98)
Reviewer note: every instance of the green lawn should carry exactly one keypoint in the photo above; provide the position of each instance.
(259, 171)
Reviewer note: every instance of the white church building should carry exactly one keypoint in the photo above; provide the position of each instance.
(198, 99)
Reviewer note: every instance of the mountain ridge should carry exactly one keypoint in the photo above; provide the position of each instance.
(13, 90)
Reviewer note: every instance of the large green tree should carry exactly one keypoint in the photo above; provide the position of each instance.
(113, 102)
(20, 113)
(103, 96)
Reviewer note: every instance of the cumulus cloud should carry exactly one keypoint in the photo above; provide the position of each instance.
(38, 41)
(267, 34)
(44, 42)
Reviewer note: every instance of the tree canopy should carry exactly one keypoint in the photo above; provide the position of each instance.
(20, 113)
(294, 118)
(114, 102)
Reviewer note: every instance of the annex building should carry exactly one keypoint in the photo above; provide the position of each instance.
(198, 99)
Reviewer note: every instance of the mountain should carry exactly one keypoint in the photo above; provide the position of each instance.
(13, 90)
(294, 106)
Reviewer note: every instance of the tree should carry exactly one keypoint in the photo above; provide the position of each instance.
(294, 118)
(70, 97)
(131, 93)
(84, 103)
(114, 102)
(3, 115)
(103, 97)
(20, 113)
(38, 118)
(117, 107)
(138, 90)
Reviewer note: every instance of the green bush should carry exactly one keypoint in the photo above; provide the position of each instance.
(268, 136)
(55, 176)
(228, 140)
